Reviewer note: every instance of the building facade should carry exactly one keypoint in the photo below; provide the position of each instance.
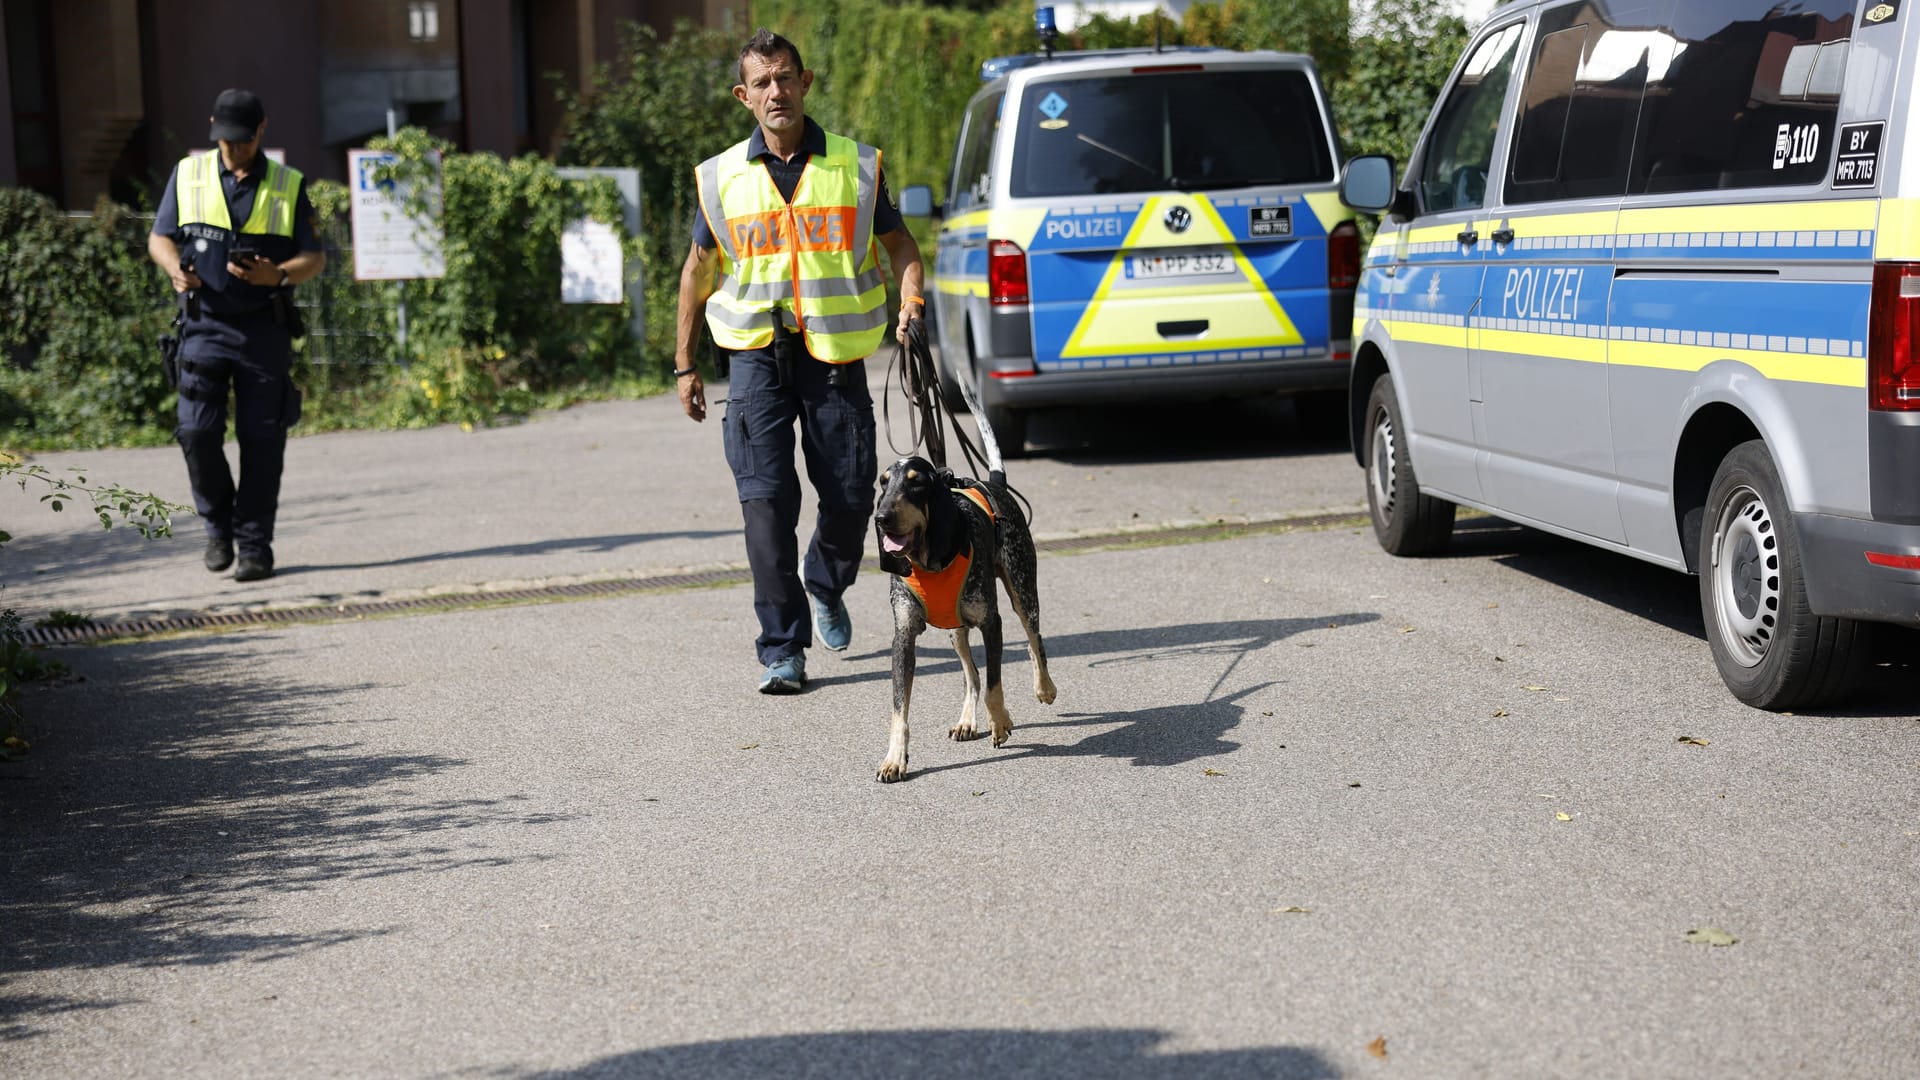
(101, 97)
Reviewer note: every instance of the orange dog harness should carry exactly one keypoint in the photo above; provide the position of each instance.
(939, 590)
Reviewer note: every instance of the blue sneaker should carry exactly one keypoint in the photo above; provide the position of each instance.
(832, 625)
(785, 675)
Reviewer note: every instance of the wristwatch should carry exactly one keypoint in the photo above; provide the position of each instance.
(681, 373)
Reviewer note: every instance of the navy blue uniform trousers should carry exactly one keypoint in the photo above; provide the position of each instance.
(252, 355)
(835, 415)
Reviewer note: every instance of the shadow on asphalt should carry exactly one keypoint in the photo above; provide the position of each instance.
(1887, 685)
(170, 803)
(1256, 427)
(587, 544)
(1125, 1054)
(1170, 734)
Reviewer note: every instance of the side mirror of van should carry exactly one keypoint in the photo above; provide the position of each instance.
(916, 201)
(1367, 183)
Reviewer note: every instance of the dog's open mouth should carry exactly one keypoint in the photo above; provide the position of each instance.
(895, 543)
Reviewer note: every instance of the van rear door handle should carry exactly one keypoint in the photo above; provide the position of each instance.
(1182, 328)
(1468, 237)
(1503, 236)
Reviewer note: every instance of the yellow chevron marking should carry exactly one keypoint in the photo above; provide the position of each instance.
(1248, 317)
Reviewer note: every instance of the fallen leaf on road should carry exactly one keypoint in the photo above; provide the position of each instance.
(1533, 689)
(1490, 607)
(1691, 741)
(1560, 815)
(977, 794)
(1215, 772)
(1356, 783)
(1406, 629)
(1378, 1047)
(1266, 581)
(1499, 712)
(1710, 935)
(1292, 911)
(1266, 712)
(749, 745)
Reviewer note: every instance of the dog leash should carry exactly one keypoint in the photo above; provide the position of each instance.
(913, 369)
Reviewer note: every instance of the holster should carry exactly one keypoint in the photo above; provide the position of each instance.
(170, 346)
(785, 346)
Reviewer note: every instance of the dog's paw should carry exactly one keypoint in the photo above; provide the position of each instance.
(1002, 729)
(1043, 688)
(964, 731)
(891, 770)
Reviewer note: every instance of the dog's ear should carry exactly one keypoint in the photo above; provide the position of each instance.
(946, 523)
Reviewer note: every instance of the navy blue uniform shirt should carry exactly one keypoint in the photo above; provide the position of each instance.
(786, 177)
(238, 297)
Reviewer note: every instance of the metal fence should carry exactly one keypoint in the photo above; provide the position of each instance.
(349, 323)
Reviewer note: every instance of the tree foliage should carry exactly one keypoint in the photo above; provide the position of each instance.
(1396, 74)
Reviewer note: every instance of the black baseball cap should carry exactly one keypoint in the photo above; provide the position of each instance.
(237, 114)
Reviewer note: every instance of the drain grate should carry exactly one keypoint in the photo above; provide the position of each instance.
(133, 629)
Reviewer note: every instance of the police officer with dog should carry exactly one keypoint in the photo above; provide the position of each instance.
(785, 268)
(235, 232)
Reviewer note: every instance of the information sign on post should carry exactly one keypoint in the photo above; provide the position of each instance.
(388, 243)
(627, 181)
(590, 264)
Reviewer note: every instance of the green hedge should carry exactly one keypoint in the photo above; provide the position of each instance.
(84, 307)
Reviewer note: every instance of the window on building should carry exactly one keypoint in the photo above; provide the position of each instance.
(423, 21)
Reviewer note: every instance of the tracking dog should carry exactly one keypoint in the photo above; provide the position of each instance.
(945, 538)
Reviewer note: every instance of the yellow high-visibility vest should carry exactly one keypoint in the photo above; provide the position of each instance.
(202, 201)
(814, 257)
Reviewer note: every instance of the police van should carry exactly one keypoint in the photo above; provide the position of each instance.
(1652, 281)
(1141, 225)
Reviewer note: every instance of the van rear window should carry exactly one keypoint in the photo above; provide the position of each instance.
(1185, 130)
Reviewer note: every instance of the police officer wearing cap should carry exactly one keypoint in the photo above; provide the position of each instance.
(785, 268)
(235, 233)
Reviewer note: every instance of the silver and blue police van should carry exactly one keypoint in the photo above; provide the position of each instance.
(1652, 281)
(1142, 225)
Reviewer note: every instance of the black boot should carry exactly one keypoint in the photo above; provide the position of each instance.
(219, 554)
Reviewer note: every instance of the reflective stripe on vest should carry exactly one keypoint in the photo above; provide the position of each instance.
(202, 201)
(815, 256)
(939, 590)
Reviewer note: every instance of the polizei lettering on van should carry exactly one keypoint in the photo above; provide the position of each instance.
(1085, 228)
(1542, 292)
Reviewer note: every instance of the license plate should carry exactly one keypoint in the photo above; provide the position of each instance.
(1181, 264)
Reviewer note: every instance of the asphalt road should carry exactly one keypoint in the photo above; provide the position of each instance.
(1300, 810)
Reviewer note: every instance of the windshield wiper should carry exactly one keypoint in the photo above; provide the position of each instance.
(1136, 162)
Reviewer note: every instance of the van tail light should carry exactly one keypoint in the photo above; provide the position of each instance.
(1893, 368)
(1006, 273)
(1343, 256)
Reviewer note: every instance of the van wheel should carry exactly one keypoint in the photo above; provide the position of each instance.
(1772, 651)
(1404, 521)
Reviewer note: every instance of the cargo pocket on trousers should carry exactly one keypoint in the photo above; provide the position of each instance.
(734, 436)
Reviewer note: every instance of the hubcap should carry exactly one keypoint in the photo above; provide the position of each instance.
(1382, 473)
(1746, 577)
